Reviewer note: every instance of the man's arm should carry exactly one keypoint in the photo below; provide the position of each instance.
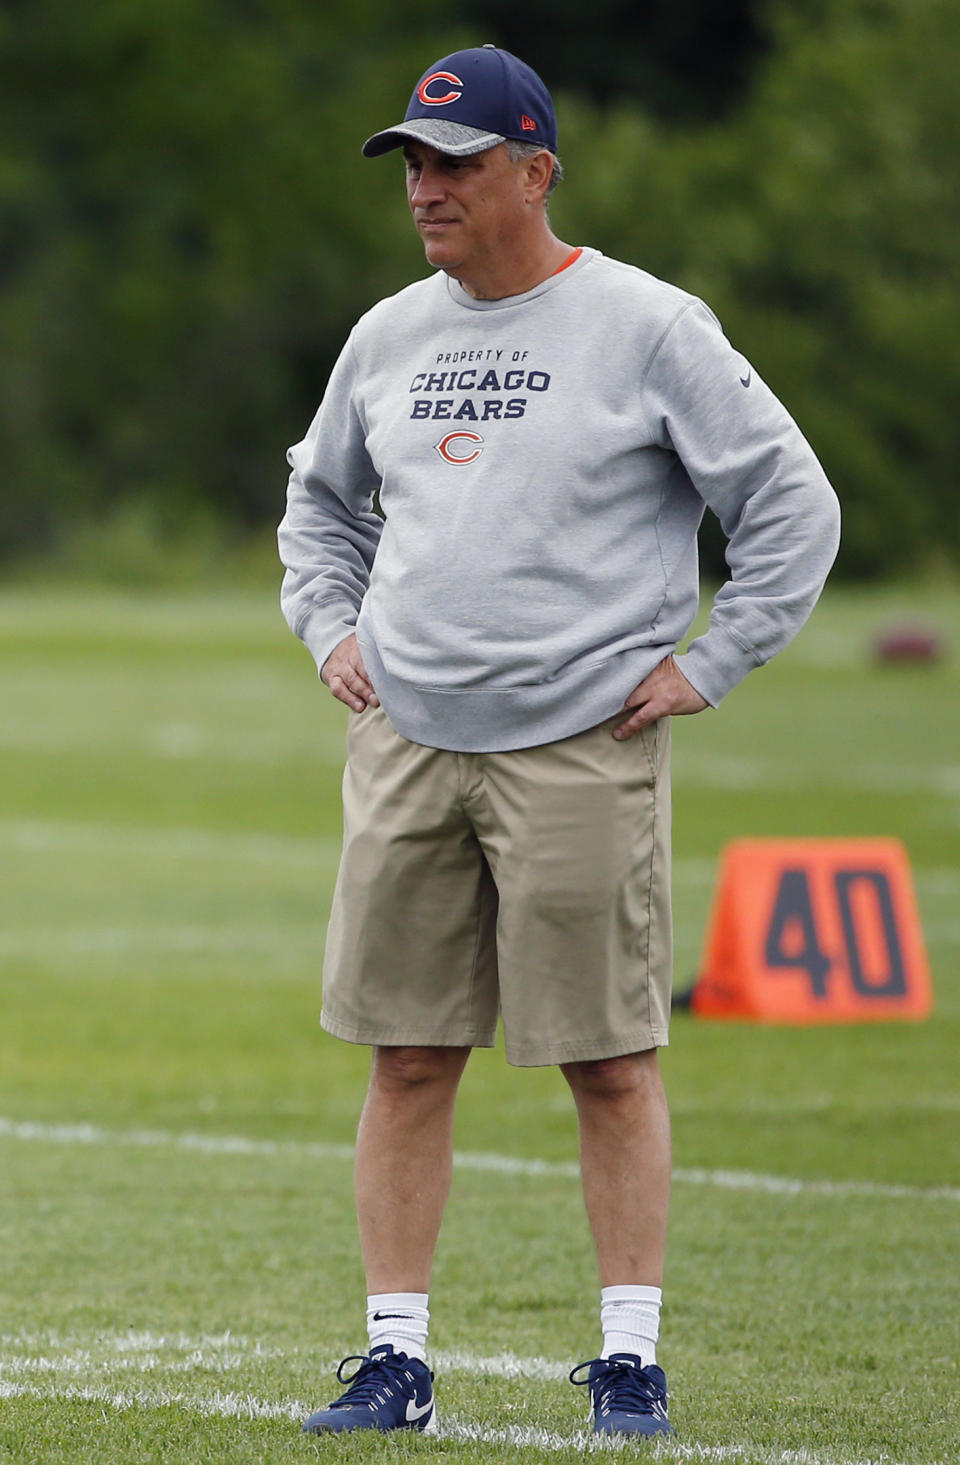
(346, 676)
(749, 463)
(665, 692)
(329, 535)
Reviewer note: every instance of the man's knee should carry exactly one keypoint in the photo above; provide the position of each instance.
(614, 1078)
(406, 1069)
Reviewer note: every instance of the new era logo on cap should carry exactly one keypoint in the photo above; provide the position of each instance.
(472, 100)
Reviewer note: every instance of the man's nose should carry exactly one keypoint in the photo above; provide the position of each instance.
(428, 187)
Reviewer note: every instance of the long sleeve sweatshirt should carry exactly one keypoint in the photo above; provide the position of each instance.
(543, 463)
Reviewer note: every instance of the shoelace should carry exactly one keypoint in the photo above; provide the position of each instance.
(620, 1386)
(368, 1381)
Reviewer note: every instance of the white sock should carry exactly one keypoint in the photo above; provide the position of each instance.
(400, 1318)
(630, 1318)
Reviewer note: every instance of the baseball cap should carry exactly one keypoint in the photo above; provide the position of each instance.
(471, 101)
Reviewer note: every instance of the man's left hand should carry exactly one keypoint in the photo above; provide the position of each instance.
(664, 693)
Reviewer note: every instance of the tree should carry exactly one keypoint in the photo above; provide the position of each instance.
(188, 236)
(822, 222)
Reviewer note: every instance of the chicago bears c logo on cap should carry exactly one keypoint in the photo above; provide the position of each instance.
(449, 96)
(460, 447)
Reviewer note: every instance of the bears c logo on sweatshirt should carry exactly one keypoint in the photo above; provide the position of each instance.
(460, 447)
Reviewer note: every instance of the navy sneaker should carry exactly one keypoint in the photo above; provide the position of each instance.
(388, 1391)
(627, 1398)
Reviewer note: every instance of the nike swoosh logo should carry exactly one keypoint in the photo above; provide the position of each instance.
(416, 1411)
(379, 1317)
(745, 380)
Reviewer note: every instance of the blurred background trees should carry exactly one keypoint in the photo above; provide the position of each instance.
(188, 233)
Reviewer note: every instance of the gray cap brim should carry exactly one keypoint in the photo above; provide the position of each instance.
(454, 138)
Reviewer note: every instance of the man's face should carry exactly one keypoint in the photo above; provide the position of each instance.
(468, 211)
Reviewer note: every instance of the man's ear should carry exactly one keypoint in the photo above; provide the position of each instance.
(539, 173)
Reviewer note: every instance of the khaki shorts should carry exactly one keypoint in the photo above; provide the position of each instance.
(534, 883)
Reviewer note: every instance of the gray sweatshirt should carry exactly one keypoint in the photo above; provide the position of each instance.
(543, 462)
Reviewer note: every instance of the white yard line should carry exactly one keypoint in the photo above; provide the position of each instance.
(211, 1144)
(499, 1365)
(46, 1354)
(946, 933)
(226, 1406)
(50, 836)
(84, 837)
(748, 1180)
(813, 1107)
(741, 773)
(521, 1436)
(139, 1340)
(124, 941)
(515, 1436)
(101, 941)
(108, 1355)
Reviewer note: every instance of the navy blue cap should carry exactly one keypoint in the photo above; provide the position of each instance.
(471, 101)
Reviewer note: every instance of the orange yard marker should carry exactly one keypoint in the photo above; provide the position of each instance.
(814, 930)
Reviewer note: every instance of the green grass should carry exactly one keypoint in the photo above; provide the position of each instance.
(169, 823)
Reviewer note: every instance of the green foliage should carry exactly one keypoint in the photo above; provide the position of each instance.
(185, 241)
(823, 225)
(189, 233)
(691, 58)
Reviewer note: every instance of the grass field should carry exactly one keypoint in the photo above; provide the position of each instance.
(178, 1268)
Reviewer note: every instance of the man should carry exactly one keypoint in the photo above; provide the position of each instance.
(543, 427)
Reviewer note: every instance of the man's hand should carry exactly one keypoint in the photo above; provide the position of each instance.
(664, 693)
(346, 676)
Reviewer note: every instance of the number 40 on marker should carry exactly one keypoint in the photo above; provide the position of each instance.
(814, 930)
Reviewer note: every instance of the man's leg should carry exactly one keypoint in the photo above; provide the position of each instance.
(625, 1164)
(404, 1162)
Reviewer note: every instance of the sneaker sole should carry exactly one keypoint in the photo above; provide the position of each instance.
(431, 1427)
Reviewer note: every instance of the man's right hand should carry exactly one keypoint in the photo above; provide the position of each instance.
(346, 676)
